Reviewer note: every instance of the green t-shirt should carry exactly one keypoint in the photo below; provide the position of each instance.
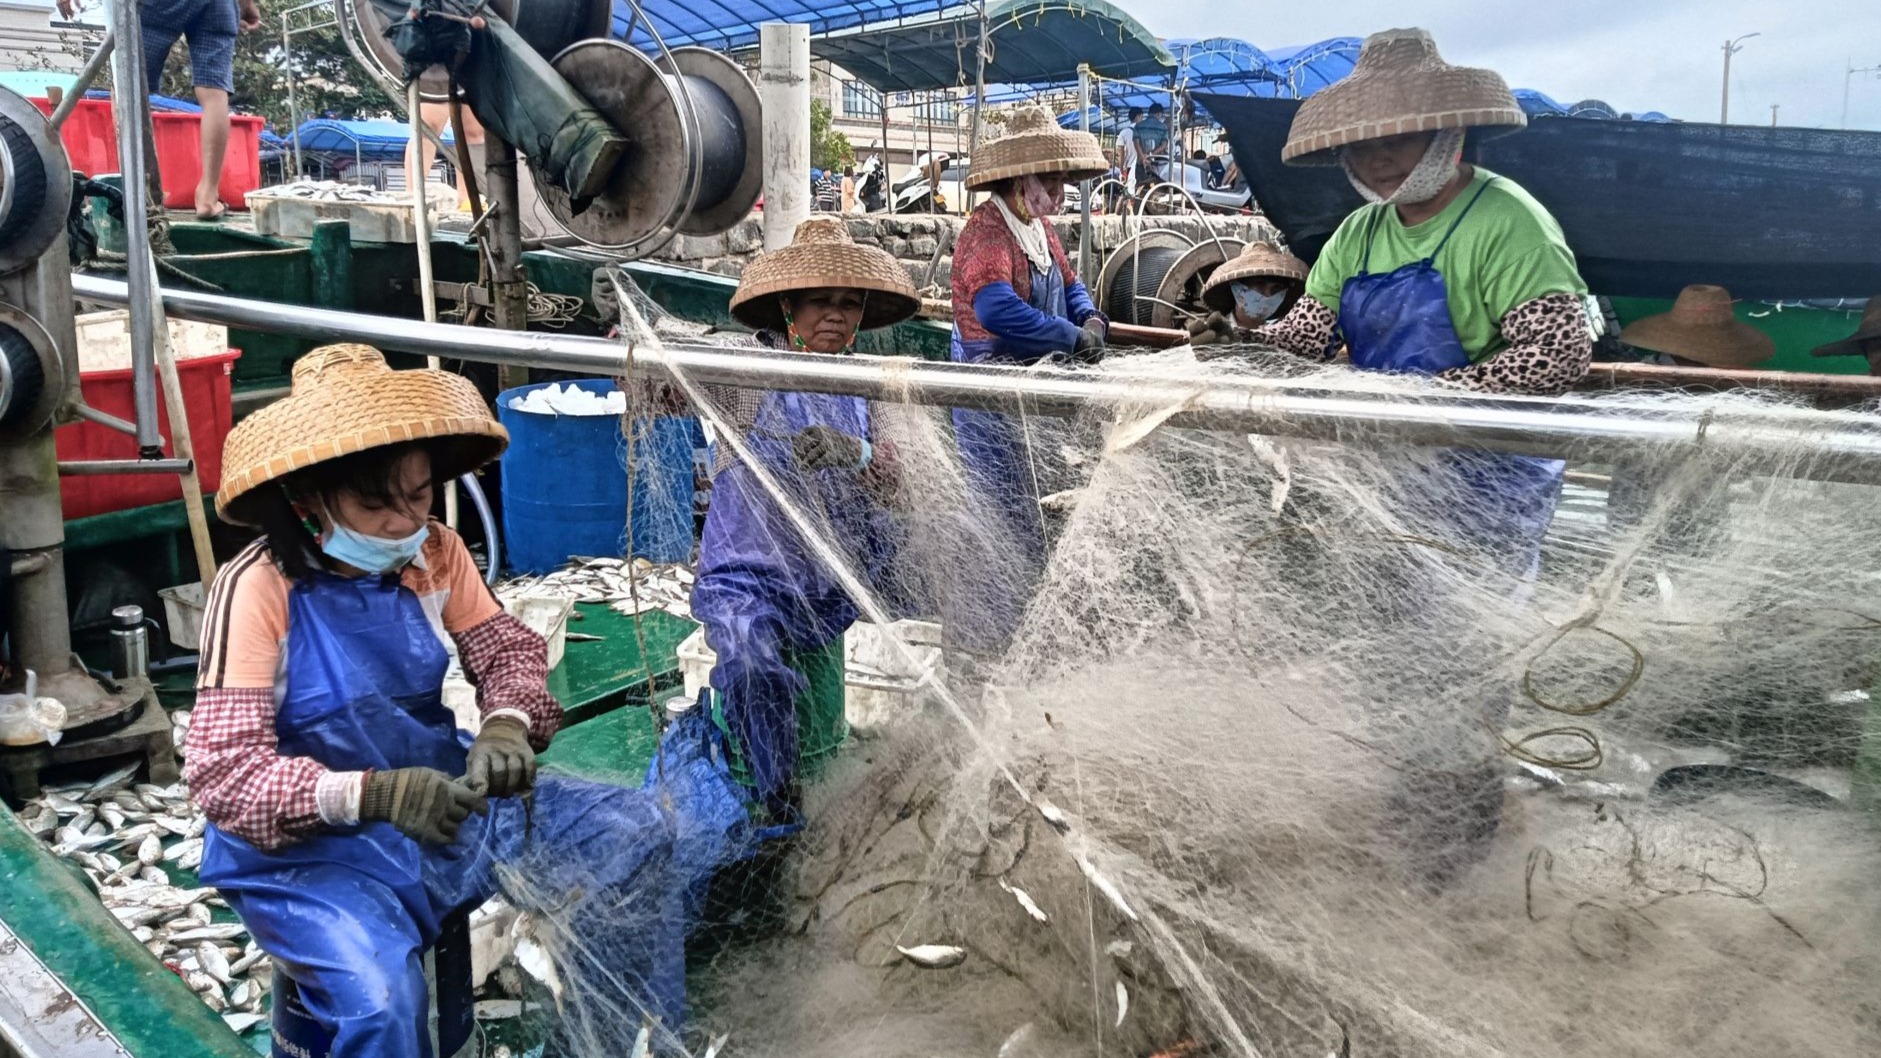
(1508, 250)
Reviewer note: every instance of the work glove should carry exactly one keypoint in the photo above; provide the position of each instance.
(424, 803)
(826, 448)
(501, 762)
(1090, 344)
(1216, 330)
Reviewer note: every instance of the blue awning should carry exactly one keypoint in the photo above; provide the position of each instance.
(731, 24)
(1032, 42)
(378, 141)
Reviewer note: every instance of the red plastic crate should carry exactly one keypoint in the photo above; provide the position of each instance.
(206, 397)
(179, 156)
(91, 142)
(90, 136)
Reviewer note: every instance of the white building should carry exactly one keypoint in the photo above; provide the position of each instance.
(28, 40)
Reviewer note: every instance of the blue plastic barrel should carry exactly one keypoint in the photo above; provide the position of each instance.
(565, 485)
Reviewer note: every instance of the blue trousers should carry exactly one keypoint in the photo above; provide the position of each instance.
(598, 855)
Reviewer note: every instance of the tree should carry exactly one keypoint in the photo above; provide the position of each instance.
(829, 148)
(326, 79)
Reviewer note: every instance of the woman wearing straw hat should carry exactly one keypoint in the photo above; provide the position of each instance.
(1016, 301)
(762, 595)
(1453, 271)
(347, 817)
(1260, 284)
(1450, 270)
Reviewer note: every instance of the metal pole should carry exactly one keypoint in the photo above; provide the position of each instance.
(1774, 107)
(509, 285)
(1084, 186)
(1848, 82)
(293, 104)
(130, 108)
(1724, 106)
(979, 85)
(784, 94)
(1839, 445)
(421, 212)
(86, 76)
(888, 169)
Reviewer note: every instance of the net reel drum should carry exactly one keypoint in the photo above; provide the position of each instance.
(1156, 277)
(695, 165)
(35, 196)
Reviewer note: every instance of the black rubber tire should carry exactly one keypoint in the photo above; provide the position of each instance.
(29, 181)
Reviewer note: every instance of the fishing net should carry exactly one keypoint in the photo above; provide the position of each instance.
(1290, 750)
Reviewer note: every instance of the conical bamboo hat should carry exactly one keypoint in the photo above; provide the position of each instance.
(345, 399)
(821, 254)
(1400, 85)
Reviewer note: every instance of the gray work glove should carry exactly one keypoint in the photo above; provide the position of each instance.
(1089, 348)
(501, 762)
(1217, 329)
(826, 448)
(424, 803)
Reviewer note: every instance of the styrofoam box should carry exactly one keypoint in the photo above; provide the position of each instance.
(292, 217)
(878, 681)
(104, 340)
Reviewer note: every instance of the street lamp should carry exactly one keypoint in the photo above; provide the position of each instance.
(1849, 81)
(1731, 47)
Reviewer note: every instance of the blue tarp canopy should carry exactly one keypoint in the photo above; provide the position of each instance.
(1312, 67)
(730, 24)
(377, 141)
(1032, 42)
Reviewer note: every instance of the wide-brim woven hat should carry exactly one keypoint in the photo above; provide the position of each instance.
(822, 255)
(345, 399)
(1701, 327)
(1868, 330)
(1033, 143)
(1257, 260)
(1399, 85)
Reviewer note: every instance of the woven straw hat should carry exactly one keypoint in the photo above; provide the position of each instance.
(1701, 327)
(820, 255)
(1256, 260)
(1034, 143)
(346, 400)
(1868, 331)
(1399, 85)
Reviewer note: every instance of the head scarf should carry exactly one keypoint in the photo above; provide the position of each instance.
(1425, 182)
(1029, 233)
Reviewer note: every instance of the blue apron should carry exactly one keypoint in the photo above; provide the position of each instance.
(347, 913)
(997, 452)
(760, 591)
(1400, 322)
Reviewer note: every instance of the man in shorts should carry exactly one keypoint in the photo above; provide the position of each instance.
(211, 27)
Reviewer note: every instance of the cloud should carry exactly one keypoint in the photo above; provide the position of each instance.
(1662, 55)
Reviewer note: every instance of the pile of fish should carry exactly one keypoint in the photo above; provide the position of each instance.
(127, 837)
(629, 587)
(334, 191)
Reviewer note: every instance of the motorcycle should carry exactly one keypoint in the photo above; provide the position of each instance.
(872, 184)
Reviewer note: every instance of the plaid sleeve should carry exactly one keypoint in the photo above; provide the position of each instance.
(509, 664)
(238, 776)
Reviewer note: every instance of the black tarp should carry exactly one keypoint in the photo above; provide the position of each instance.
(1648, 207)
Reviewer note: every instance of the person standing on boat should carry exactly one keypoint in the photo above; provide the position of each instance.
(349, 817)
(1449, 271)
(768, 601)
(1016, 301)
(1259, 285)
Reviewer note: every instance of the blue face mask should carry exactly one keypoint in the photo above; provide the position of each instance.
(374, 554)
(1255, 305)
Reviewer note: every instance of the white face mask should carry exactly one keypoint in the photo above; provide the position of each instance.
(1432, 174)
(1253, 304)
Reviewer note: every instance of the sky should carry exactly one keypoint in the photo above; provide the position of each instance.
(1664, 55)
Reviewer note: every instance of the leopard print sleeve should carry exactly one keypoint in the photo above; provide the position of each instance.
(1549, 349)
(1309, 329)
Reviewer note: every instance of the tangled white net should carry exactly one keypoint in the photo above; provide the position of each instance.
(1286, 760)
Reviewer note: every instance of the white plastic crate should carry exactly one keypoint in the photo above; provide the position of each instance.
(182, 614)
(879, 682)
